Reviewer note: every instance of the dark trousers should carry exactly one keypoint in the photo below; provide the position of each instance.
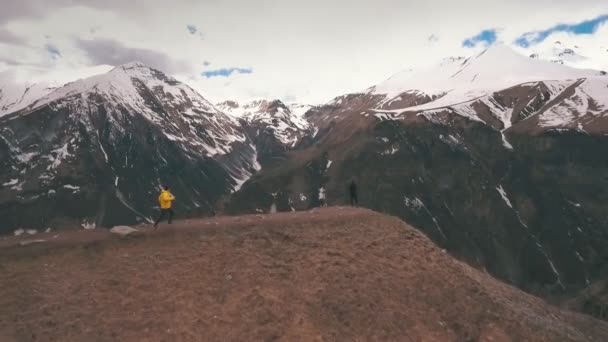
(353, 199)
(163, 213)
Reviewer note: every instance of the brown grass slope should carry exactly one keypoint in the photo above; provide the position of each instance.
(333, 274)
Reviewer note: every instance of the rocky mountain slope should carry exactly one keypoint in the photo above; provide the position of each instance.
(330, 274)
(95, 151)
(274, 126)
(503, 169)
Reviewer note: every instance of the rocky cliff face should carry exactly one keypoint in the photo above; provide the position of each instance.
(275, 127)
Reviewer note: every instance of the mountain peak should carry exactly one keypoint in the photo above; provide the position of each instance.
(500, 51)
(458, 81)
(133, 65)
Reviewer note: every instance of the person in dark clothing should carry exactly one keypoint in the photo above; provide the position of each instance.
(354, 201)
(165, 201)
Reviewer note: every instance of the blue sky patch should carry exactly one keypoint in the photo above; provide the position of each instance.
(225, 72)
(53, 51)
(486, 36)
(584, 27)
(191, 28)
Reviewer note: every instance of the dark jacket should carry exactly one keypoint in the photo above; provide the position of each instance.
(353, 188)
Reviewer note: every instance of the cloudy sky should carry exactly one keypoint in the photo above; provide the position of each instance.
(305, 51)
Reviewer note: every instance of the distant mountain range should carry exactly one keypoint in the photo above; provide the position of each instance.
(497, 157)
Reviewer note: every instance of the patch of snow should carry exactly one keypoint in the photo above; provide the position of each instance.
(503, 194)
(31, 231)
(505, 142)
(589, 98)
(454, 141)
(328, 164)
(17, 187)
(72, 187)
(105, 155)
(553, 268)
(505, 198)
(321, 193)
(412, 203)
(575, 204)
(26, 157)
(18, 232)
(61, 154)
(87, 226)
(416, 204)
(243, 173)
(299, 109)
(392, 150)
(387, 116)
(11, 182)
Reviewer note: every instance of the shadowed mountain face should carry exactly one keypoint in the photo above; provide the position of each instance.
(510, 179)
(275, 127)
(97, 150)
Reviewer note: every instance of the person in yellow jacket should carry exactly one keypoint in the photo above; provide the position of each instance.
(165, 200)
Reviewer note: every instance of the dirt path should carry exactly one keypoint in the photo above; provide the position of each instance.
(334, 274)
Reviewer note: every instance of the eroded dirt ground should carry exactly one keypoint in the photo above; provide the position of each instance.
(333, 274)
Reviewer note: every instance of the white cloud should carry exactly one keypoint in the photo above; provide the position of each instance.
(307, 50)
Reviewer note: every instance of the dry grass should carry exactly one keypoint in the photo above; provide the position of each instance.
(334, 274)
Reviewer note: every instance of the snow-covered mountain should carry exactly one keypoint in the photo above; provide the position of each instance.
(261, 106)
(299, 109)
(547, 95)
(458, 80)
(286, 122)
(15, 97)
(98, 149)
(471, 87)
(570, 54)
(103, 145)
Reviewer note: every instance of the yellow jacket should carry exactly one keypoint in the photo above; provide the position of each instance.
(165, 199)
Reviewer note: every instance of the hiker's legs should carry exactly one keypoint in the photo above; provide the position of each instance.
(170, 213)
(160, 217)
